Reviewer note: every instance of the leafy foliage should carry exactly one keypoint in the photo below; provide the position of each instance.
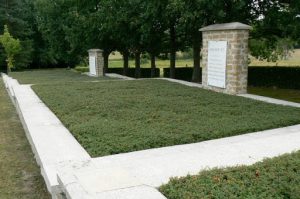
(17, 15)
(273, 178)
(61, 31)
(11, 46)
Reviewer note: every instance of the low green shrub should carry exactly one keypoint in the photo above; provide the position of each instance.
(185, 74)
(273, 178)
(281, 77)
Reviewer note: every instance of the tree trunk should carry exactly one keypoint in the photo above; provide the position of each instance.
(153, 65)
(196, 50)
(126, 62)
(8, 70)
(105, 57)
(137, 64)
(172, 51)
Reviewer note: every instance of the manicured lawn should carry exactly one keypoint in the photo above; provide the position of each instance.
(272, 178)
(19, 175)
(285, 94)
(112, 117)
(51, 76)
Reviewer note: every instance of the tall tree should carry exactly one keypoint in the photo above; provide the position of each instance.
(11, 46)
(172, 14)
(152, 30)
(277, 29)
(15, 14)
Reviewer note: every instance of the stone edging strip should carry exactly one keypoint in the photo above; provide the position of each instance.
(250, 96)
(271, 100)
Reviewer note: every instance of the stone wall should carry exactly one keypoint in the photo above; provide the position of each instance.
(237, 58)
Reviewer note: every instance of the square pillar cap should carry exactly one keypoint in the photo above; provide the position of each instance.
(95, 50)
(226, 26)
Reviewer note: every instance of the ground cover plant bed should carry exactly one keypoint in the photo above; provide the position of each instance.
(273, 178)
(19, 174)
(52, 76)
(112, 117)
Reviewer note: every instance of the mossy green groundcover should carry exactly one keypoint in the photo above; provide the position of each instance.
(272, 178)
(112, 117)
(52, 76)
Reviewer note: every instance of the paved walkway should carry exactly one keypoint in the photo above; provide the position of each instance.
(271, 100)
(152, 168)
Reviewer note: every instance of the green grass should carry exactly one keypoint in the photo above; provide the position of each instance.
(115, 61)
(293, 60)
(284, 94)
(273, 178)
(112, 117)
(19, 175)
(52, 76)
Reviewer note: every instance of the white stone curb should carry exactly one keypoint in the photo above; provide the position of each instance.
(271, 100)
(113, 75)
(250, 96)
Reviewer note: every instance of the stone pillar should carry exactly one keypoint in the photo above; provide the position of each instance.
(225, 57)
(96, 63)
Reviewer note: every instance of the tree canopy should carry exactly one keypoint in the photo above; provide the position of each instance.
(59, 32)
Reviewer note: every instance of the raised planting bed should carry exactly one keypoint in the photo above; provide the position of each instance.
(273, 178)
(112, 117)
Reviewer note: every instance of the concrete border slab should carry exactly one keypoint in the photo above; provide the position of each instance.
(250, 96)
(271, 100)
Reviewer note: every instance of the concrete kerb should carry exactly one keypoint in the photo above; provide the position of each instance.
(250, 96)
(270, 100)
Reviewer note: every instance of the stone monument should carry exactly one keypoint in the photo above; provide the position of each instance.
(96, 63)
(225, 57)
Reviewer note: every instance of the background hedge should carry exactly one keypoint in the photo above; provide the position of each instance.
(181, 73)
(281, 77)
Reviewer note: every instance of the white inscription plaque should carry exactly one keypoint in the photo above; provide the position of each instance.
(216, 63)
(92, 65)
